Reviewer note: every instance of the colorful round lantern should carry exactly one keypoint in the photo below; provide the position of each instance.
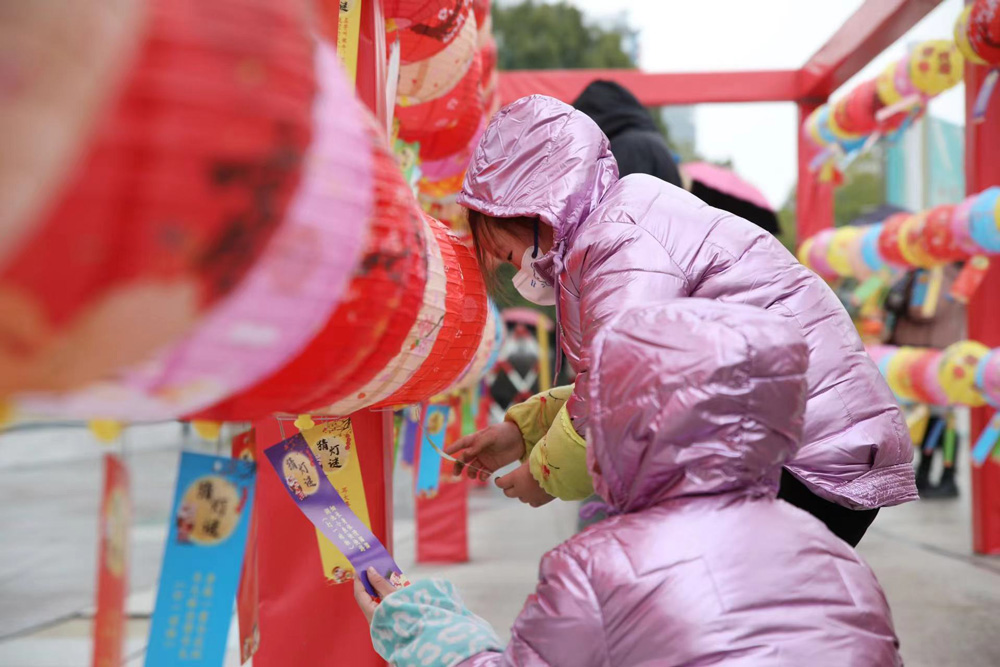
(961, 228)
(444, 143)
(893, 84)
(404, 13)
(429, 36)
(957, 372)
(488, 349)
(898, 374)
(418, 344)
(988, 377)
(912, 242)
(811, 129)
(939, 238)
(984, 217)
(443, 112)
(186, 175)
(805, 249)
(879, 352)
(984, 30)
(855, 255)
(838, 255)
(888, 239)
(432, 78)
(286, 297)
(924, 378)
(818, 255)
(455, 164)
(372, 319)
(870, 248)
(962, 37)
(936, 66)
(855, 112)
(424, 382)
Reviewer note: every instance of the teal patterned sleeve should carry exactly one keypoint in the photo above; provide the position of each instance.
(427, 624)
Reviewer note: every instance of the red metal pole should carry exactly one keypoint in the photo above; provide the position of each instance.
(813, 199)
(982, 170)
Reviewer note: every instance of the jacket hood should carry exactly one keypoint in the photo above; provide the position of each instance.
(614, 108)
(693, 397)
(541, 158)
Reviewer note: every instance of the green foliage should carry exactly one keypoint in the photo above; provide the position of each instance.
(534, 35)
(862, 191)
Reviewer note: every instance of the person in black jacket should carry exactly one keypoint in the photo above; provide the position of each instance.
(637, 145)
(639, 148)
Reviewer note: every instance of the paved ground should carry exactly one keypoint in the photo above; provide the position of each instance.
(945, 601)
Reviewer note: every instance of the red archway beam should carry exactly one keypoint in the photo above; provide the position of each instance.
(868, 32)
(657, 90)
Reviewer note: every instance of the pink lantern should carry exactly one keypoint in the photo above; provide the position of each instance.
(818, 253)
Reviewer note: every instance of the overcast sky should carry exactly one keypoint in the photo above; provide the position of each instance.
(711, 35)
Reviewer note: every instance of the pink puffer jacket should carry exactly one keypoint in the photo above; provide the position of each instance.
(622, 243)
(695, 405)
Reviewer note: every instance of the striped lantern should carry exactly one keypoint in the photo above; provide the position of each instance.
(183, 176)
(426, 37)
(286, 297)
(424, 80)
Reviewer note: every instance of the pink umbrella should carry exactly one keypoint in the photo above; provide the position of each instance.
(725, 181)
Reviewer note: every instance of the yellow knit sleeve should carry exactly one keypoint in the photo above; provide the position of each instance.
(559, 461)
(535, 416)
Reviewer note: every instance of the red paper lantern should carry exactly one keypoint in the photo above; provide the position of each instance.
(923, 378)
(441, 144)
(443, 113)
(489, 54)
(984, 30)
(434, 77)
(185, 176)
(430, 36)
(855, 113)
(940, 239)
(423, 383)
(408, 12)
(481, 9)
(378, 309)
(888, 239)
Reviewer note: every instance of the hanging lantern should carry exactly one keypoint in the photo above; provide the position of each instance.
(418, 344)
(377, 310)
(805, 249)
(984, 219)
(939, 239)
(838, 255)
(957, 372)
(961, 228)
(427, 37)
(175, 192)
(924, 378)
(888, 240)
(870, 249)
(895, 84)
(481, 9)
(855, 255)
(455, 164)
(984, 30)
(988, 377)
(855, 112)
(425, 80)
(913, 242)
(486, 350)
(898, 373)
(422, 384)
(962, 37)
(286, 297)
(818, 255)
(936, 66)
(404, 13)
(444, 143)
(442, 113)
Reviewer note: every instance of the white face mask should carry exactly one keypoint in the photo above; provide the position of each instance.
(530, 285)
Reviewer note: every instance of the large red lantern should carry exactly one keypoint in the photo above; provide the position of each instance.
(377, 310)
(428, 37)
(444, 112)
(444, 143)
(432, 78)
(186, 174)
(424, 381)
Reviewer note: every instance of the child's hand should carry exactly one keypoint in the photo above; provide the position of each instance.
(488, 450)
(366, 602)
(521, 484)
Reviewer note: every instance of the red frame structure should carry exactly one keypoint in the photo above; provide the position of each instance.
(870, 30)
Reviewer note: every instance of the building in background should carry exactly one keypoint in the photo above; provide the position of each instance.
(925, 167)
(681, 128)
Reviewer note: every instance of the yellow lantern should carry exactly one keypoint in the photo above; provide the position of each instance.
(935, 66)
(957, 372)
(962, 37)
(839, 253)
(803, 253)
(898, 373)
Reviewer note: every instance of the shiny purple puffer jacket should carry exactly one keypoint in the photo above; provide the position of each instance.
(695, 406)
(628, 242)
